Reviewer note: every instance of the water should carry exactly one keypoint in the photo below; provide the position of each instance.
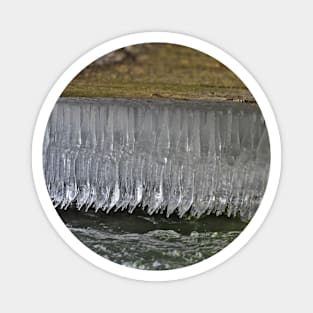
(176, 157)
(152, 242)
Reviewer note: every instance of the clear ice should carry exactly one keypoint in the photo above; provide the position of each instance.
(162, 156)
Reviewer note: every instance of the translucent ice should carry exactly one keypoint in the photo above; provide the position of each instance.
(168, 156)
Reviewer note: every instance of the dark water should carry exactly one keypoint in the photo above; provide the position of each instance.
(152, 242)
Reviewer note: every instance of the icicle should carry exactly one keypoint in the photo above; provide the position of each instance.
(166, 156)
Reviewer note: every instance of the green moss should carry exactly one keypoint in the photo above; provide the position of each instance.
(161, 70)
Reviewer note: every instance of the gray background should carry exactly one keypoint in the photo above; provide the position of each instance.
(39, 272)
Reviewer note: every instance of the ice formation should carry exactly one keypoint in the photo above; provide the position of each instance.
(200, 157)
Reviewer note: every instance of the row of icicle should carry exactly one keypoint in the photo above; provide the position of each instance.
(157, 155)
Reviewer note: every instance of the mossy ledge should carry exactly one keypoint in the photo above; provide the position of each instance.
(158, 71)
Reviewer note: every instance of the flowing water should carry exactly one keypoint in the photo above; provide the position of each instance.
(152, 242)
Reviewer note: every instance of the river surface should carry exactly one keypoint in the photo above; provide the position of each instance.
(151, 242)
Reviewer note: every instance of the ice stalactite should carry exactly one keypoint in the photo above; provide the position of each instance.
(168, 156)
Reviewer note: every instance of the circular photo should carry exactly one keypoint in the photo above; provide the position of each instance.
(155, 156)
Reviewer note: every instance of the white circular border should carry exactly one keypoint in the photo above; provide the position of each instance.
(156, 37)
